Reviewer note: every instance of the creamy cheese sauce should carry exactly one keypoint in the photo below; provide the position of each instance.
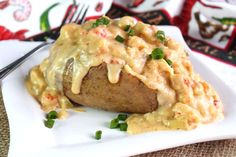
(184, 99)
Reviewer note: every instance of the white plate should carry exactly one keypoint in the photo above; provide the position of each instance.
(74, 136)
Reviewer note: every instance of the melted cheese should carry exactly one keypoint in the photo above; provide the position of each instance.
(113, 72)
(184, 99)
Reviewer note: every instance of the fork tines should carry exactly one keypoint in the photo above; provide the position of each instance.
(76, 14)
(82, 13)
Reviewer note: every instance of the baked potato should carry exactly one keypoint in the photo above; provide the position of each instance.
(128, 95)
(124, 66)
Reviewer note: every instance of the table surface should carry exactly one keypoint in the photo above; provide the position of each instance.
(225, 148)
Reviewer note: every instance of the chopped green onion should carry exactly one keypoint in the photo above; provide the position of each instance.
(169, 62)
(114, 123)
(49, 123)
(127, 28)
(98, 135)
(50, 119)
(52, 115)
(101, 21)
(161, 35)
(157, 53)
(122, 117)
(120, 39)
(131, 32)
(123, 126)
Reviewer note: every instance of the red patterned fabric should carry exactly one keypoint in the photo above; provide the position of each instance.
(6, 34)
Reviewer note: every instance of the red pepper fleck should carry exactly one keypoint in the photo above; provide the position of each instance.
(101, 32)
(187, 82)
(50, 97)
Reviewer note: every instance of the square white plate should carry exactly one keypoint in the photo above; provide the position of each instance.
(74, 136)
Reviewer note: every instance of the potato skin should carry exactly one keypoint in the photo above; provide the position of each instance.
(128, 95)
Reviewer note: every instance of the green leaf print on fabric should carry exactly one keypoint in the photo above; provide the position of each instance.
(44, 22)
(226, 20)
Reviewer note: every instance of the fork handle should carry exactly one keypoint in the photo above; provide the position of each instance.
(12, 66)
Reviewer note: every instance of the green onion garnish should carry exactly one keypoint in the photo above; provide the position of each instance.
(119, 122)
(131, 32)
(101, 21)
(52, 115)
(122, 117)
(169, 62)
(161, 35)
(120, 39)
(114, 123)
(123, 126)
(49, 123)
(98, 135)
(157, 53)
(127, 28)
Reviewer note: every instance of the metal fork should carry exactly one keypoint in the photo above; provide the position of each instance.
(76, 14)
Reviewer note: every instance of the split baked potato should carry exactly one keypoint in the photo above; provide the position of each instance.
(128, 95)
